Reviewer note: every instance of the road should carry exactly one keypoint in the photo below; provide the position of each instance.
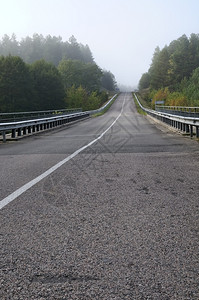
(117, 220)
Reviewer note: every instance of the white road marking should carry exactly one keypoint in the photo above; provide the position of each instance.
(31, 183)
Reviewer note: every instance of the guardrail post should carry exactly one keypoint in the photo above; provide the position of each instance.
(184, 127)
(191, 130)
(29, 129)
(4, 136)
(187, 128)
(19, 131)
(13, 135)
(197, 131)
(24, 131)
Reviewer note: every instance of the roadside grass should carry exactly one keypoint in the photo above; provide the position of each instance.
(139, 110)
(142, 95)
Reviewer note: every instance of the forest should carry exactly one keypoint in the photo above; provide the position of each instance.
(173, 75)
(43, 73)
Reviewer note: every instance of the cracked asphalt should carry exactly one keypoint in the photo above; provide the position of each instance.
(118, 221)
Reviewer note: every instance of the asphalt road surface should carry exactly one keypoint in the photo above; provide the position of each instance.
(117, 220)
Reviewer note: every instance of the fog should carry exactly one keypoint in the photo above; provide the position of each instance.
(122, 34)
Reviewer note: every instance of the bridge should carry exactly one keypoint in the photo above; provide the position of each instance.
(106, 208)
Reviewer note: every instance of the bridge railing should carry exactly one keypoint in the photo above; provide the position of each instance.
(31, 126)
(31, 115)
(186, 124)
(179, 110)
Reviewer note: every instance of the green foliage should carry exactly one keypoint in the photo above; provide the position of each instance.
(170, 98)
(51, 49)
(53, 75)
(76, 97)
(159, 71)
(174, 73)
(176, 99)
(93, 101)
(188, 94)
(179, 60)
(144, 81)
(192, 87)
(16, 87)
(77, 73)
(79, 97)
(9, 46)
(160, 94)
(48, 87)
(103, 96)
(108, 81)
(173, 63)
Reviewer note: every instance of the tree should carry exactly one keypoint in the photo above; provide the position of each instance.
(32, 49)
(26, 49)
(16, 88)
(158, 71)
(193, 51)
(71, 72)
(73, 51)
(76, 97)
(108, 81)
(53, 49)
(86, 54)
(179, 60)
(191, 89)
(173, 63)
(144, 82)
(47, 85)
(161, 94)
(75, 72)
(93, 101)
(91, 77)
(9, 46)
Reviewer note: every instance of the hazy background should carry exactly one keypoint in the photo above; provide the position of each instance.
(122, 34)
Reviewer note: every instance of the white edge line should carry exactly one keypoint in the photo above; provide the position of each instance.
(31, 183)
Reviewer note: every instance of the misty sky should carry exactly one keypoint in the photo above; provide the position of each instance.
(122, 34)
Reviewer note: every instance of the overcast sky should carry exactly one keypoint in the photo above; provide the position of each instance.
(122, 34)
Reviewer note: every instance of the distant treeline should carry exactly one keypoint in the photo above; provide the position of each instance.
(51, 49)
(45, 73)
(174, 73)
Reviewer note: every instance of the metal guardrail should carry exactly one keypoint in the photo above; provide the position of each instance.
(31, 115)
(179, 110)
(22, 128)
(101, 109)
(186, 124)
